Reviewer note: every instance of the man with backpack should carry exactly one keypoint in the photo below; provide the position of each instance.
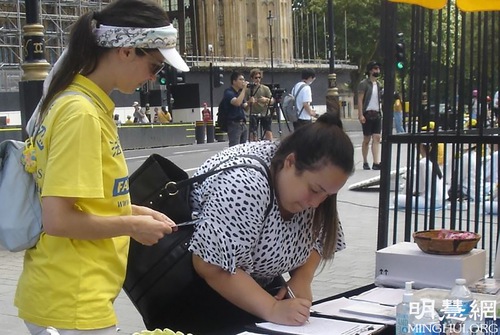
(233, 104)
(303, 99)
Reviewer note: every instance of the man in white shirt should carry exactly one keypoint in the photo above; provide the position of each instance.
(370, 114)
(304, 98)
(496, 107)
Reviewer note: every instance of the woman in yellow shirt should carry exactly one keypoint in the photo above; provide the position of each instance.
(72, 276)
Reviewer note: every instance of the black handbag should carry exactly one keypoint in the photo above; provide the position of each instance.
(160, 277)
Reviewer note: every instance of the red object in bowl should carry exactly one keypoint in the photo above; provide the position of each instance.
(446, 242)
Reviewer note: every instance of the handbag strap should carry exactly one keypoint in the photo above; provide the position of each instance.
(173, 187)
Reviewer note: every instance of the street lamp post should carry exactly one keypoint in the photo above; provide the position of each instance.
(332, 94)
(35, 67)
(331, 37)
(270, 19)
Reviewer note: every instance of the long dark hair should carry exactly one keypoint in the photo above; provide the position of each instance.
(83, 52)
(316, 145)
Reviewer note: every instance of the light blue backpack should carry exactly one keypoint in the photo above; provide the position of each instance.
(21, 212)
(20, 208)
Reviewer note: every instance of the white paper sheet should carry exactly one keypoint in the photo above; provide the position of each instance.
(347, 308)
(320, 326)
(370, 309)
(382, 295)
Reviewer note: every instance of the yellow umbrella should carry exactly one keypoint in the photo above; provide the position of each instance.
(465, 5)
(432, 4)
(478, 5)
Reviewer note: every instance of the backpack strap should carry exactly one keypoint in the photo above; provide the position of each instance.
(36, 117)
(173, 187)
(295, 99)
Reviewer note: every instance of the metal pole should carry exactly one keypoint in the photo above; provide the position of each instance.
(332, 94)
(331, 36)
(388, 39)
(270, 19)
(35, 67)
(211, 80)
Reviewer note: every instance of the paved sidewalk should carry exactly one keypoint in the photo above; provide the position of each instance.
(351, 268)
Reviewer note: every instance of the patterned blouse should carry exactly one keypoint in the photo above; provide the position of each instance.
(235, 232)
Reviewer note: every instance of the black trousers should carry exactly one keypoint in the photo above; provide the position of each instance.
(203, 311)
(300, 123)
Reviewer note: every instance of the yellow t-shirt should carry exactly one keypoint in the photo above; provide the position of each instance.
(68, 283)
(398, 106)
(164, 117)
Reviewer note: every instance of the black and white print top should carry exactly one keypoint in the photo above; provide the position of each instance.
(234, 232)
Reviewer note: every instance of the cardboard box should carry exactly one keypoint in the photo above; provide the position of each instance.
(406, 262)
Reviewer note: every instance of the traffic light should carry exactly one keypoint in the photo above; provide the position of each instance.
(180, 78)
(400, 56)
(218, 76)
(162, 76)
(143, 88)
(175, 76)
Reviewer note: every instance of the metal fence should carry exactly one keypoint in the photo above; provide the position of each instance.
(450, 84)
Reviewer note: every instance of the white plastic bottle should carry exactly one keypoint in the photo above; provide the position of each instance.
(427, 321)
(461, 296)
(403, 311)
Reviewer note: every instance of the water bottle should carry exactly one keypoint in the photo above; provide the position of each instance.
(460, 296)
(403, 311)
(426, 320)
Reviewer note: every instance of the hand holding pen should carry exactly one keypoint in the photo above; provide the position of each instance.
(289, 309)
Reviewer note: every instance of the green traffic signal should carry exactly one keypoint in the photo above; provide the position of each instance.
(162, 81)
(400, 56)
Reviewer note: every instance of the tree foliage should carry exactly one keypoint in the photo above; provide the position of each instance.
(356, 26)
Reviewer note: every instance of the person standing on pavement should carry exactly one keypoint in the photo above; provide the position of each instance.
(235, 104)
(72, 276)
(137, 112)
(398, 113)
(205, 113)
(164, 115)
(496, 109)
(370, 114)
(303, 101)
(259, 99)
(149, 114)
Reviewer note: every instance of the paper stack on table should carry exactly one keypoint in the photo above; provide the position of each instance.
(320, 326)
(377, 305)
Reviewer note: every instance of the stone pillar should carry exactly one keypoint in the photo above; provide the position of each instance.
(35, 67)
(332, 96)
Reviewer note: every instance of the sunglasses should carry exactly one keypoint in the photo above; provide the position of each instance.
(155, 66)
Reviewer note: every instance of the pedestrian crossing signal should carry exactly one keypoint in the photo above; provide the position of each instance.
(400, 56)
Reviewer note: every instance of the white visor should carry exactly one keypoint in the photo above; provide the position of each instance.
(173, 58)
(162, 38)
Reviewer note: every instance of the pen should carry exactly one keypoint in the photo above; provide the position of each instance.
(290, 293)
(189, 223)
